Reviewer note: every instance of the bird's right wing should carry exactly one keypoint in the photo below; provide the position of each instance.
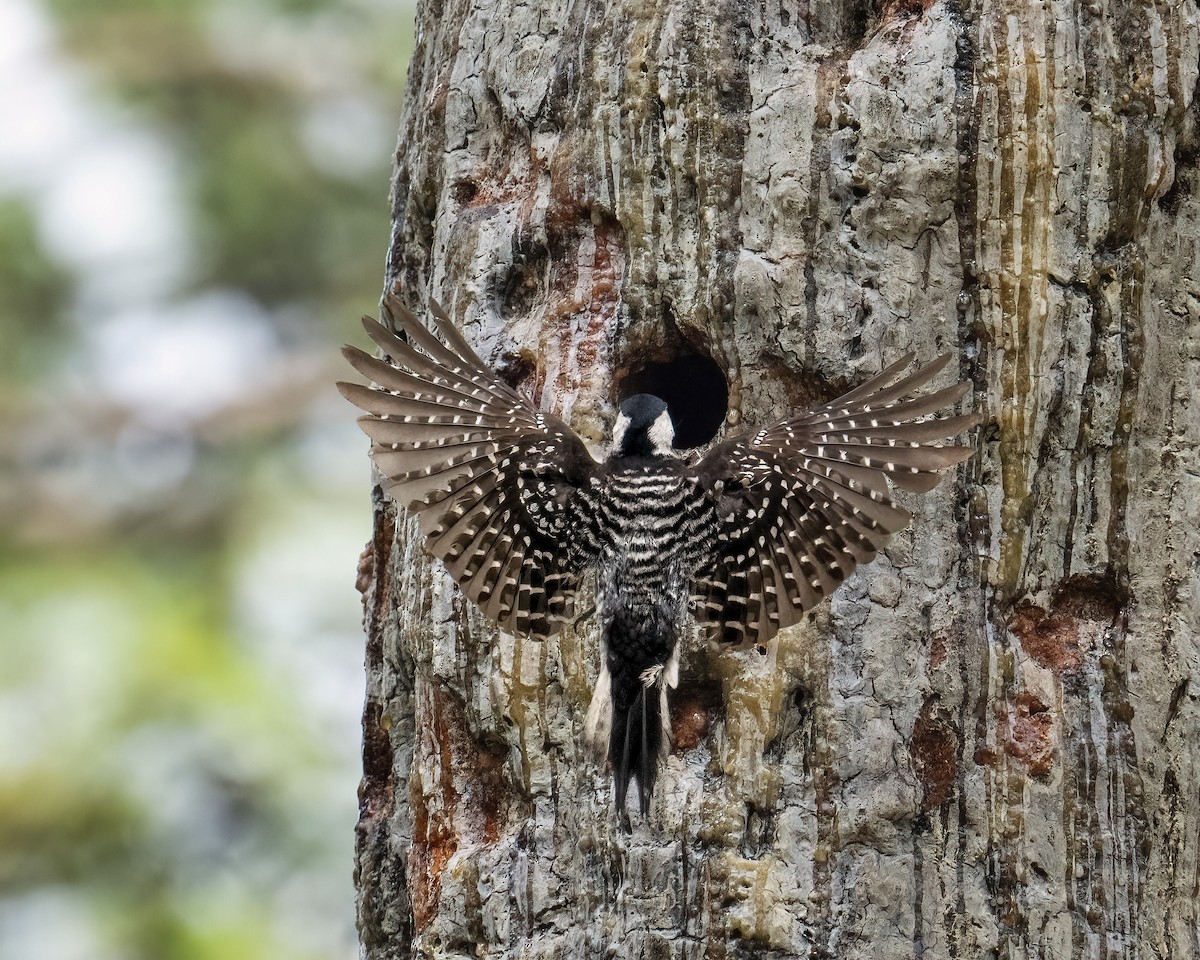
(801, 503)
(500, 489)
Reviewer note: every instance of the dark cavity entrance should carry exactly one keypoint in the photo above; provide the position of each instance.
(693, 387)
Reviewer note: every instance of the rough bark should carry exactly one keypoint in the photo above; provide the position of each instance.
(985, 745)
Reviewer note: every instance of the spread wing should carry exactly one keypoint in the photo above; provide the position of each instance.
(801, 503)
(499, 489)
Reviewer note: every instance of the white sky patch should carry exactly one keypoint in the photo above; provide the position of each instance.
(38, 107)
(103, 189)
(283, 596)
(314, 52)
(347, 135)
(115, 217)
(50, 924)
(330, 448)
(186, 361)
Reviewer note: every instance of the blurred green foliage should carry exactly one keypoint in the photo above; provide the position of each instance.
(36, 292)
(179, 649)
(269, 220)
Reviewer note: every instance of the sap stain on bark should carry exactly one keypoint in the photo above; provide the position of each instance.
(376, 791)
(1025, 730)
(434, 840)
(695, 707)
(461, 809)
(365, 573)
(385, 911)
(899, 10)
(935, 754)
(1082, 610)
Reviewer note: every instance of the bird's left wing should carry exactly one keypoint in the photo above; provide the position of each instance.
(500, 489)
(799, 504)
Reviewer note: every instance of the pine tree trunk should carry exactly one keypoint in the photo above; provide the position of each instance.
(986, 744)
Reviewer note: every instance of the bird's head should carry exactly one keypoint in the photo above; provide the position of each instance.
(643, 428)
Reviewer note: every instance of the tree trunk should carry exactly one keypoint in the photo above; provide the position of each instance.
(985, 745)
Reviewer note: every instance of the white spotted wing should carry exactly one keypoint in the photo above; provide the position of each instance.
(801, 503)
(494, 483)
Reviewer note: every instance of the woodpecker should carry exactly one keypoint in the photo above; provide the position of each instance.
(741, 541)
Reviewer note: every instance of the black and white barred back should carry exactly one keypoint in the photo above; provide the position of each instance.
(746, 539)
(653, 521)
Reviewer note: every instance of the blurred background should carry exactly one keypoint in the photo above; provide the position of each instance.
(193, 213)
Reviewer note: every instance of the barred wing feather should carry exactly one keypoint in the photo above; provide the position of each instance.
(495, 484)
(799, 504)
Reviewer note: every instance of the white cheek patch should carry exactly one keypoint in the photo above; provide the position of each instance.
(619, 430)
(662, 433)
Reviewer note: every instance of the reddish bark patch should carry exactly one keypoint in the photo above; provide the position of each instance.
(694, 710)
(902, 9)
(934, 751)
(1081, 611)
(581, 285)
(377, 790)
(462, 808)
(938, 649)
(575, 224)
(610, 251)
(1026, 729)
(434, 843)
(366, 570)
(609, 255)
(985, 757)
(1052, 641)
(489, 190)
(435, 840)
(519, 371)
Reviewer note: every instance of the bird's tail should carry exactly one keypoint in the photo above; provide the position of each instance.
(629, 725)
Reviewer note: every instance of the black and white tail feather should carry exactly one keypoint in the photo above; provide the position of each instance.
(748, 537)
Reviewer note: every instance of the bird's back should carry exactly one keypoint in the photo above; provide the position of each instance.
(654, 519)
